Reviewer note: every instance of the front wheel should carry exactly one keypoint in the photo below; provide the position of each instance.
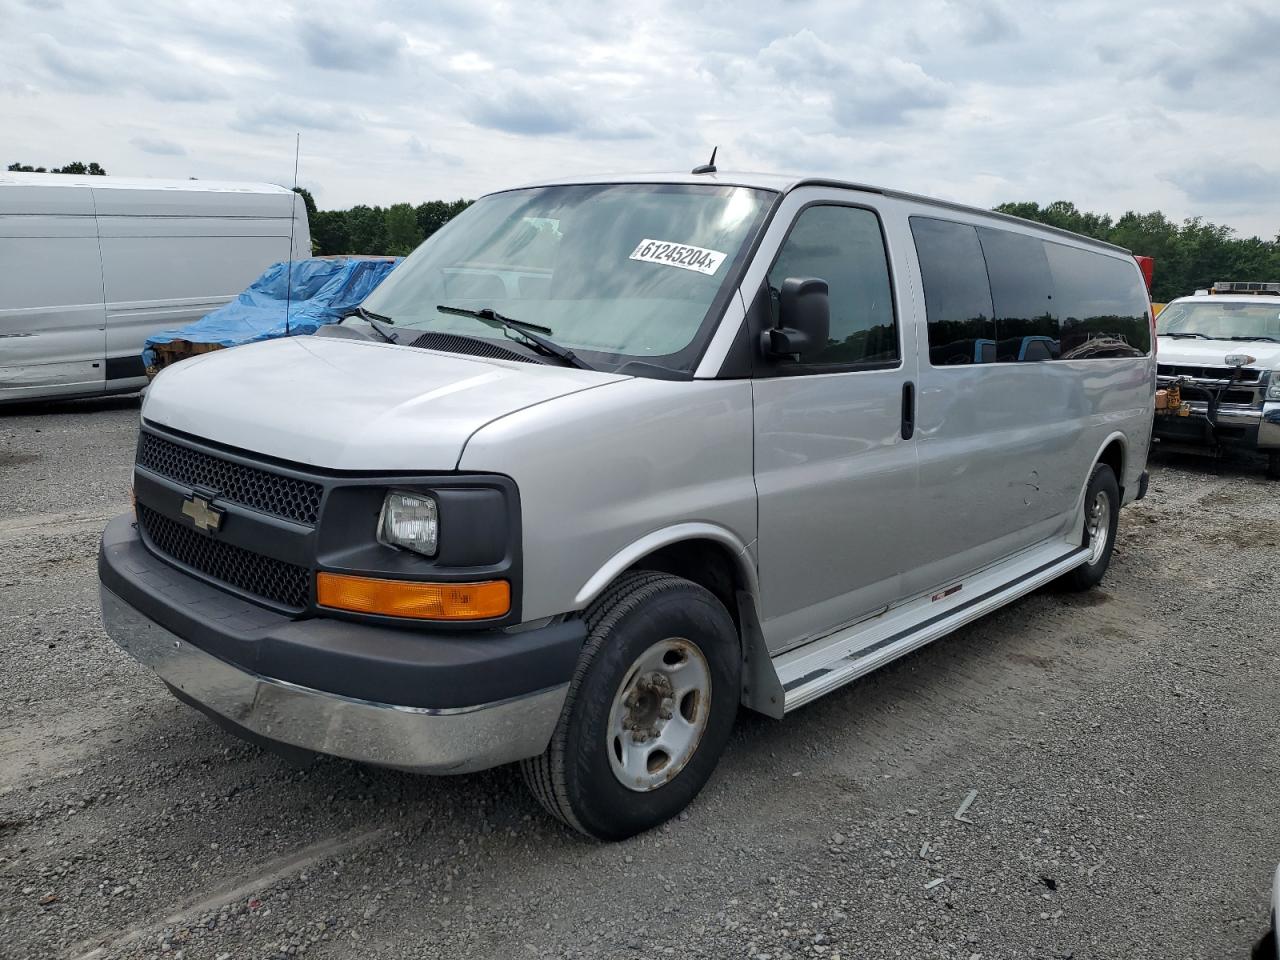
(1101, 515)
(1273, 465)
(648, 712)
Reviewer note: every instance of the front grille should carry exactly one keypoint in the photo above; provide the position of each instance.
(1243, 375)
(261, 490)
(283, 583)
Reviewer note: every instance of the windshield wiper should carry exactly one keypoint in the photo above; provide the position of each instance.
(1181, 336)
(378, 323)
(1259, 337)
(523, 329)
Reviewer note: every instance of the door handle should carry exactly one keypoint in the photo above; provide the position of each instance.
(908, 410)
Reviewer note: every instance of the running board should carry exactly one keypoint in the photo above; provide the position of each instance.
(819, 667)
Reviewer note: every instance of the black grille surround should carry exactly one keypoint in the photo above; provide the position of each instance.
(273, 560)
(262, 490)
(282, 583)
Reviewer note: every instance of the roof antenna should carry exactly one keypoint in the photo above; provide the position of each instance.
(709, 167)
(293, 219)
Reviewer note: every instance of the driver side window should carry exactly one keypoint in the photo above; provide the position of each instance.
(843, 246)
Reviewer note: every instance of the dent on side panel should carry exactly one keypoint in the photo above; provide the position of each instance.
(600, 470)
(1006, 449)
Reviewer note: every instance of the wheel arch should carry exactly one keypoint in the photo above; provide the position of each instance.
(715, 558)
(1114, 452)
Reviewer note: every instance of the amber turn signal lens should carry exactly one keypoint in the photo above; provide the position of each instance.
(408, 598)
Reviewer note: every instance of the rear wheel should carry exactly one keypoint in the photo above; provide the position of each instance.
(1273, 465)
(648, 712)
(1101, 515)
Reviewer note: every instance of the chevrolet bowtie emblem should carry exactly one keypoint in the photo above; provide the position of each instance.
(205, 517)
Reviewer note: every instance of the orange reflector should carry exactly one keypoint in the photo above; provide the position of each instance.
(407, 598)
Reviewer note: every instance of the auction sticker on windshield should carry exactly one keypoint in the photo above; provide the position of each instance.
(678, 255)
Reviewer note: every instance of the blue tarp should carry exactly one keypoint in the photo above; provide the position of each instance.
(324, 291)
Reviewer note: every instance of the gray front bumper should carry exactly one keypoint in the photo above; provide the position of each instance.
(454, 740)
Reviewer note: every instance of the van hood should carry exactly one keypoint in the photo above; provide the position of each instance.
(348, 404)
(1214, 353)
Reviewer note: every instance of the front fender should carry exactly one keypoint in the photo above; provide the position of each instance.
(638, 549)
(761, 689)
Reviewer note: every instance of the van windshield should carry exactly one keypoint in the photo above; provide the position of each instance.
(616, 272)
(1222, 319)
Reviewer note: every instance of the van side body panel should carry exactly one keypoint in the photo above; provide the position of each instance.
(599, 471)
(1005, 453)
(52, 322)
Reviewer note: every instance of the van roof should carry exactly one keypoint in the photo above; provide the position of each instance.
(784, 183)
(11, 179)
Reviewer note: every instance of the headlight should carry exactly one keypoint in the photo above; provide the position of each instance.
(1273, 391)
(409, 520)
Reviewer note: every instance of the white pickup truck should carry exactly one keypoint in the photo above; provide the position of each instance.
(1221, 348)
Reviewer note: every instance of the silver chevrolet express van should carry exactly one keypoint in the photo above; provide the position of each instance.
(606, 459)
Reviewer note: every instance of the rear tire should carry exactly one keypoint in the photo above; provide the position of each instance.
(1273, 465)
(649, 709)
(1101, 515)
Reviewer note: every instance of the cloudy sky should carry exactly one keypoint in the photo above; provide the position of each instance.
(1115, 106)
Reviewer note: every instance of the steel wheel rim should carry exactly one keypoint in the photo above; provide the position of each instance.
(1098, 523)
(659, 714)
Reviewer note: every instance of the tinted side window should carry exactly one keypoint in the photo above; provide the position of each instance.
(1102, 303)
(843, 246)
(957, 296)
(1022, 292)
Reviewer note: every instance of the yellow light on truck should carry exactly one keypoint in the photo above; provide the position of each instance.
(408, 598)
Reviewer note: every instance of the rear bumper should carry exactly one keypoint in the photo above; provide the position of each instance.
(430, 703)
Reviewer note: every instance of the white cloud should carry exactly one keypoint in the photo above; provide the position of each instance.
(159, 146)
(278, 114)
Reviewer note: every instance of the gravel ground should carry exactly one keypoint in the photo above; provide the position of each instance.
(1123, 743)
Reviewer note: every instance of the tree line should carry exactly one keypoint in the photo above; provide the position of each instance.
(1189, 256)
(387, 231)
(91, 169)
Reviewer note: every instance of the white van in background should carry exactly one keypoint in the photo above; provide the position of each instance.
(90, 266)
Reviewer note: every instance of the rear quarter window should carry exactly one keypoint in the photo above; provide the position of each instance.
(1102, 303)
(998, 296)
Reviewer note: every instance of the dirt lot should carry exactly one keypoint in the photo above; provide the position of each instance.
(1125, 746)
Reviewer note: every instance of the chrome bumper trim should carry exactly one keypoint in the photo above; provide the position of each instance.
(1265, 420)
(423, 740)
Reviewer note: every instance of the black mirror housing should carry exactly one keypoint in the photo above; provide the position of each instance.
(804, 319)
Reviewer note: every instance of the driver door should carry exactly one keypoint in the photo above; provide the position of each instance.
(835, 467)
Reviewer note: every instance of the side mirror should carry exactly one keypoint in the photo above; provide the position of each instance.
(804, 319)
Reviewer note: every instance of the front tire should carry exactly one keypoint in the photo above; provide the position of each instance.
(1273, 465)
(649, 709)
(1101, 516)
